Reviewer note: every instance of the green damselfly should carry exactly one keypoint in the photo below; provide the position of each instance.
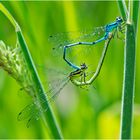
(34, 110)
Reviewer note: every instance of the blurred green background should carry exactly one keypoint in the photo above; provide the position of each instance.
(81, 113)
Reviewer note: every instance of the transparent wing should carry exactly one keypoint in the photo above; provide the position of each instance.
(26, 112)
(30, 113)
(56, 86)
(53, 71)
(55, 91)
(33, 111)
(61, 39)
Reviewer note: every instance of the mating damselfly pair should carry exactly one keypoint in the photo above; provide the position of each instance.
(78, 76)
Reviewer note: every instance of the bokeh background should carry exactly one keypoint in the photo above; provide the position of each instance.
(92, 112)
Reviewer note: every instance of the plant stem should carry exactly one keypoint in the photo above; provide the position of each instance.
(47, 116)
(123, 9)
(135, 14)
(128, 83)
(8, 15)
(129, 73)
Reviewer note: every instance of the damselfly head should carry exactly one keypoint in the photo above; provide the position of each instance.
(119, 19)
(83, 66)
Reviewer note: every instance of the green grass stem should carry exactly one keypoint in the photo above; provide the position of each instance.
(129, 70)
(128, 83)
(136, 5)
(48, 116)
(123, 9)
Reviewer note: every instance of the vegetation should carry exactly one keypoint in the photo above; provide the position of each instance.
(96, 114)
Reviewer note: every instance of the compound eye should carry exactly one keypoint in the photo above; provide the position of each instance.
(83, 66)
(119, 19)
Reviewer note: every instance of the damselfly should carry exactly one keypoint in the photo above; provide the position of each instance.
(33, 111)
(112, 27)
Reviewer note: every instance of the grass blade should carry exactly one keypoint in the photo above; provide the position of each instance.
(135, 14)
(48, 116)
(123, 9)
(128, 84)
(129, 68)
